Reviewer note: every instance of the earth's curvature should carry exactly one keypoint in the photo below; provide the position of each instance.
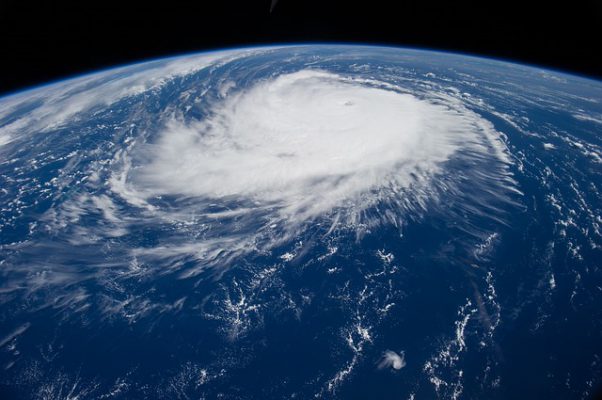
(318, 221)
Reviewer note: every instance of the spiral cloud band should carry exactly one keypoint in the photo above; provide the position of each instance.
(307, 144)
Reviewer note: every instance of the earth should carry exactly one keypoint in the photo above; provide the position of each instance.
(312, 221)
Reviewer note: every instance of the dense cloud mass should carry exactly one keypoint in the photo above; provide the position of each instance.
(308, 145)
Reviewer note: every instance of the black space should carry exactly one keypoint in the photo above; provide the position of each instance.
(48, 40)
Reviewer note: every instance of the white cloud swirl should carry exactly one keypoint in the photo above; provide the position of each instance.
(391, 359)
(306, 145)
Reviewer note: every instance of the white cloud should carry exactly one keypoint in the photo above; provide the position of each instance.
(304, 144)
(18, 331)
(549, 146)
(391, 359)
(301, 146)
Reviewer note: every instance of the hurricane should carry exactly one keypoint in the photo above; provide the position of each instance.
(308, 145)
